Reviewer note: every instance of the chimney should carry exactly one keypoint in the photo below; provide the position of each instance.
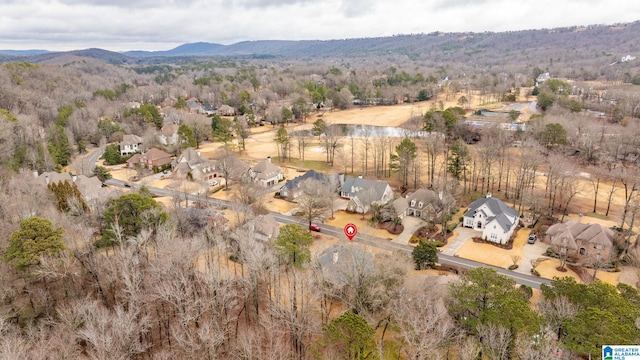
(360, 176)
(341, 178)
(488, 195)
(35, 173)
(74, 177)
(269, 158)
(335, 256)
(440, 195)
(198, 152)
(46, 179)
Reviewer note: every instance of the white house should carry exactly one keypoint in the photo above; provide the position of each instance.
(169, 134)
(265, 173)
(130, 144)
(495, 219)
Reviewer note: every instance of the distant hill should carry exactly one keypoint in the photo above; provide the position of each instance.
(576, 45)
(191, 49)
(23, 52)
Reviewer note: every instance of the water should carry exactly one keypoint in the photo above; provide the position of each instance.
(373, 131)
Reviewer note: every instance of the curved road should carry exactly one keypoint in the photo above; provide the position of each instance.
(365, 239)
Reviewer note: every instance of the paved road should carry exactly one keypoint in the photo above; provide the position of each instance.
(338, 233)
(89, 162)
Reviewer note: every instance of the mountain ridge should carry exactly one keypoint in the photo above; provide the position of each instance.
(615, 39)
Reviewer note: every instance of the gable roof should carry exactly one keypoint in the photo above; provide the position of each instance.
(495, 205)
(90, 187)
(266, 225)
(192, 157)
(400, 205)
(503, 220)
(352, 186)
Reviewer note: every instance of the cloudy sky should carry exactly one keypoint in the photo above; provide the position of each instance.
(119, 25)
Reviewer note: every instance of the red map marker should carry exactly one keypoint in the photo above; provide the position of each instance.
(350, 230)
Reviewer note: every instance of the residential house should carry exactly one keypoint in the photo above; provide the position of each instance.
(336, 260)
(169, 134)
(362, 193)
(291, 188)
(265, 173)
(194, 106)
(201, 217)
(192, 165)
(130, 144)
(90, 187)
(581, 240)
(394, 209)
(236, 168)
(494, 218)
(542, 78)
(425, 204)
(208, 109)
(154, 159)
(226, 110)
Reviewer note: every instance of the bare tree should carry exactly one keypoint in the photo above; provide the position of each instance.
(495, 341)
(314, 200)
(424, 323)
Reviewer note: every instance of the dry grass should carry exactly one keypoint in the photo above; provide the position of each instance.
(342, 218)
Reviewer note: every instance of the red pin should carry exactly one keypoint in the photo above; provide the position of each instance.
(350, 230)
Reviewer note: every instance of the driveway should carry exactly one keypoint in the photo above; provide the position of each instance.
(462, 235)
(532, 252)
(411, 224)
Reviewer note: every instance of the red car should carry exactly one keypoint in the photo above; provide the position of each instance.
(314, 227)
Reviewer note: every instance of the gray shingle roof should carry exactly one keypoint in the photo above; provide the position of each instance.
(352, 186)
(311, 174)
(495, 205)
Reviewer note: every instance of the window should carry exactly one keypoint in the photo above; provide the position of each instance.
(413, 203)
(494, 236)
(582, 251)
(420, 204)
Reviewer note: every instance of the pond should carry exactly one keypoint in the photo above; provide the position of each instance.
(360, 130)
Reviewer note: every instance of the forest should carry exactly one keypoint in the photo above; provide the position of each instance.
(123, 277)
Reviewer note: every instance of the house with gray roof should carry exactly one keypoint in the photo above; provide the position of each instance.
(193, 163)
(362, 193)
(291, 188)
(265, 173)
(494, 218)
(424, 204)
(338, 260)
(90, 187)
(581, 240)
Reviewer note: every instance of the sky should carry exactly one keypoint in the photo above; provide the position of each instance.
(120, 25)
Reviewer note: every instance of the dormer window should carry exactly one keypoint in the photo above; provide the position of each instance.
(413, 203)
(420, 204)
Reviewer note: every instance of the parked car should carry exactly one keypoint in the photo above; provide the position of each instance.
(314, 227)
(214, 183)
(532, 239)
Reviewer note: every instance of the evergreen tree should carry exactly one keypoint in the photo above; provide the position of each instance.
(35, 238)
